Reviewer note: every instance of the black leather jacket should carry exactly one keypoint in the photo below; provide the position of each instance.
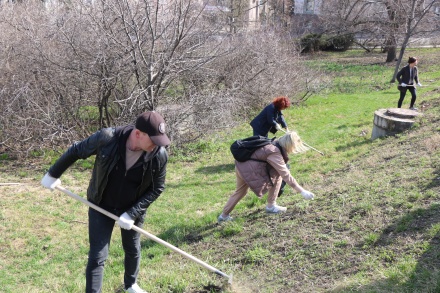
(104, 144)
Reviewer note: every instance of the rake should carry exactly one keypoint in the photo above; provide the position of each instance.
(309, 146)
(149, 235)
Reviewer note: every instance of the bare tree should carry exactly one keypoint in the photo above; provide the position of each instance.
(72, 69)
(416, 12)
(102, 62)
(388, 21)
(362, 18)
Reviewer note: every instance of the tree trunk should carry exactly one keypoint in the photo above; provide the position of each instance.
(391, 53)
(391, 42)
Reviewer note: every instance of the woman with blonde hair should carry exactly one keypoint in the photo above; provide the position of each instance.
(264, 172)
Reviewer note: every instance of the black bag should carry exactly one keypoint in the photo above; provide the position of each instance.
(242, 149)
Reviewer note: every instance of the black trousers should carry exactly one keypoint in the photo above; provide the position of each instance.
(100, 232)
(412, 90)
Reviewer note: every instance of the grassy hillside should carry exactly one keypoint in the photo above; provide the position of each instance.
(373, 227)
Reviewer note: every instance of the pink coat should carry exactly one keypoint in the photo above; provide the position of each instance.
(255, 173)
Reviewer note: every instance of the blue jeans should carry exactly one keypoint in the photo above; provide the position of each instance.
(100, 232)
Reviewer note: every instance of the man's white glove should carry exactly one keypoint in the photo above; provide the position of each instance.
(307, 194)
(403, 84)
(50, 182)
(277, 126)
(125, 221)
(419, 84)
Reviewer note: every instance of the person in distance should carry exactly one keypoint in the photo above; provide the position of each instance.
(408, 77)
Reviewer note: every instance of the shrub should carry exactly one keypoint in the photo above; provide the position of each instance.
(318, 42)
(311, 43)
(337, 43)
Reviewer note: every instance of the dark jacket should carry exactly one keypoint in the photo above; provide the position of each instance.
(104, 144)
(265, 121)
(404, 75)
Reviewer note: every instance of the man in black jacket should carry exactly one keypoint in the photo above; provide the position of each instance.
(128, 175)
(408, 77)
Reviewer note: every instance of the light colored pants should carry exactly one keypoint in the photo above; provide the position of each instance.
(242, 189)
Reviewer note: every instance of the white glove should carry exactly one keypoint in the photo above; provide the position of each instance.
(125, 221)
(307, 194)
(419, 84)
(277, 126)
(50, 182)
(403, 84)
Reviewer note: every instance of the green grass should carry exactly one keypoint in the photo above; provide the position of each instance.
(373, 226)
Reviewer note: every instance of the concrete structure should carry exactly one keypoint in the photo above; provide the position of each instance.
(392, 121)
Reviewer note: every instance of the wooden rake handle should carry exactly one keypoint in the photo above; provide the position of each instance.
(145, 233)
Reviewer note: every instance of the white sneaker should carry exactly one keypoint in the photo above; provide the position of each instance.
(135, 289)
(413, 108)
(221, 219)
(275, 209)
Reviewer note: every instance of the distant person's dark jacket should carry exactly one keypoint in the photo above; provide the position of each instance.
(404, 75)
(267, 119)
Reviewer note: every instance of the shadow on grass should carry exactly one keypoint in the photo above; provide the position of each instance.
(353, 144)
(189, 234)
(174, 235)
(347, 126)
(224, 168)
(435, 183)
(421, 229)
(195, 182)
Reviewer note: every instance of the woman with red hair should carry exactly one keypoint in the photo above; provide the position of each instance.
(271, 118)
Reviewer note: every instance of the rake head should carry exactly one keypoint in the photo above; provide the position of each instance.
(225, 276)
